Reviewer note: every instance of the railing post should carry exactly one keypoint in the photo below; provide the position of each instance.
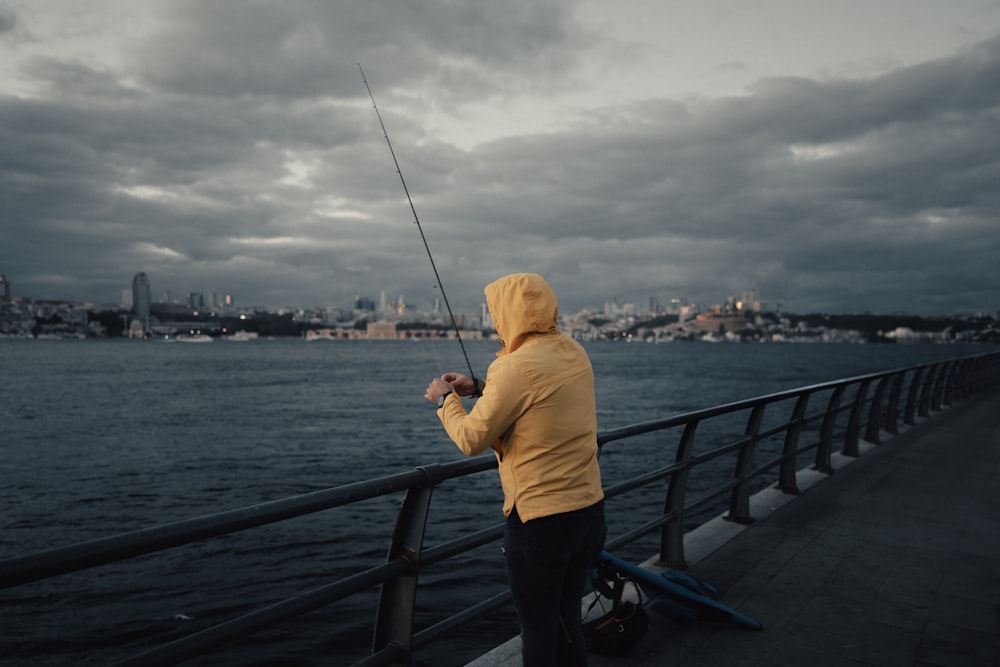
(956, 388)
(825, 449)
(926, 389)
(854, 421)
(672, 533)
(949, 390)
(979, 374)
(739, 504)
(949, 383)
(937, 398)
(786, 473)
(892, 412)
(875, 411)
(990, 368)
(910, 415)
(397, 600)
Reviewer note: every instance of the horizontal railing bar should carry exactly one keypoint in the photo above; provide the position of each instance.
(807, 447)
(266, 617)
(392, 653)
(745, 404)
(84, 555)
(429, 634)
(451, 548)
(764, 435)
(718, 452)
(711, 496)
(639, 531)
(658, 522)
(632, 484)
(650, 526)
(771, 464)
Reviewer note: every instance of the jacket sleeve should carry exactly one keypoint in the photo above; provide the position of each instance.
(505, 397)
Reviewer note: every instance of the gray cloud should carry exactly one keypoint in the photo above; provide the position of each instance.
(462, 51)
(8, 20)
(236, 151)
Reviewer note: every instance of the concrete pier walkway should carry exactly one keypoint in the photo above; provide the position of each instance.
(892, 560)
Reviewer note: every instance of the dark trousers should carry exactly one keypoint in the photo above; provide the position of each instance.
(548, 565)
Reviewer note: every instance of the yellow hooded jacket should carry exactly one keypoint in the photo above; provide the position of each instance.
(537, 409)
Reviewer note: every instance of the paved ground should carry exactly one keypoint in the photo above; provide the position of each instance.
(893, 560)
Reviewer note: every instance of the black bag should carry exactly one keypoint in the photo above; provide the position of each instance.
(617, 631)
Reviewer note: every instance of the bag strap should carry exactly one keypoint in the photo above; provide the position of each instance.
(613, 593)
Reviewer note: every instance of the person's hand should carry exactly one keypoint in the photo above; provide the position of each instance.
(437, 387)
(463, 384)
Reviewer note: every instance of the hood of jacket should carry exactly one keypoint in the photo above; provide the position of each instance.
(522, 305)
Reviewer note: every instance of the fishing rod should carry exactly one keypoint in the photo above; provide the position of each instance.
(416, 220)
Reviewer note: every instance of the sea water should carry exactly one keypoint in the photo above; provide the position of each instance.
(104, 437)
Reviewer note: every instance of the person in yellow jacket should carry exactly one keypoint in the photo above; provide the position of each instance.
(537, 411)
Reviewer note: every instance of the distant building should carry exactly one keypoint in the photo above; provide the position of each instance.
(4, 289)
(719, 322)
(382, 330)
(750, 301)
(141, 300)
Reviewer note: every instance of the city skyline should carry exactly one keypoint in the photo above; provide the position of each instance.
(138, 298)
(401, 309)
(625, 151)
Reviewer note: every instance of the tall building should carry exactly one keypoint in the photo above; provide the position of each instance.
(4, 289)
(141, 300)
(751, 300)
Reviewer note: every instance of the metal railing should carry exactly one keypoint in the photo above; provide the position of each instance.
(854, 409)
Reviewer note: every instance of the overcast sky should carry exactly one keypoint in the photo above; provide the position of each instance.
(836, 156)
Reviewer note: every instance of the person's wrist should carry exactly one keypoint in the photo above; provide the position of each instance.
(442, 397)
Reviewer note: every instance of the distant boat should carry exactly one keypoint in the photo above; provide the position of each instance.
(194, 338)
(320, 334)
(241, 336)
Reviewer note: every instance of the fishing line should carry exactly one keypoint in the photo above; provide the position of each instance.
(430, 334)
(416, 220)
